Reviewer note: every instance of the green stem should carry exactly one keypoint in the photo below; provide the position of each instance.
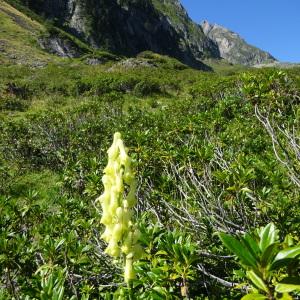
(129, 286)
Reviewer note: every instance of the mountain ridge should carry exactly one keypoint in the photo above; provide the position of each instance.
(234, 48)
(128, 27)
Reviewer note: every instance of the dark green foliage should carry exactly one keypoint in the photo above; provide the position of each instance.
(203, 159)
(267, 261)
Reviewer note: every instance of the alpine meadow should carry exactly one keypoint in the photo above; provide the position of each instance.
(144, 156)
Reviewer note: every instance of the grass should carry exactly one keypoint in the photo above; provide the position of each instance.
(18, 38)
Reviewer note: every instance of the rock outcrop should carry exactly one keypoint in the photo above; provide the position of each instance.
(59, 46)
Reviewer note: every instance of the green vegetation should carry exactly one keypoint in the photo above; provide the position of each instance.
(264, 257)
(213, 152)
(18, 37)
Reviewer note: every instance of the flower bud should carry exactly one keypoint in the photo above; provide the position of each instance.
(114, 201)
(104, 198)
(138, 251)
(119, 184)
(135, 236)
(112, 249)
(119, 213)
(106, 180)
(106, 218)
(117, 232)
(126, 248)
(129, 273)
(131, 199)
(106, 235)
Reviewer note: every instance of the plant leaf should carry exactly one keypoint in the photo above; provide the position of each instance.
(269, 254)
(254, 296)
(286, 296)
(235, 246)
(268, 235)
(252, 244)
(290, 252)
(284, 256)
(288, 284)
(258, 282)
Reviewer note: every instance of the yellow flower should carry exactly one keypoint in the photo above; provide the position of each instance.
(120, 232)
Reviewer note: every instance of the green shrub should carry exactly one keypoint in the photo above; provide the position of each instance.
(146, 88)
(271, 265)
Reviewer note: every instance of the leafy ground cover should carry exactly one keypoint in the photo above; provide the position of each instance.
(212, 153)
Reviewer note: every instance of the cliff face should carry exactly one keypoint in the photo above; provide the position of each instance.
(191, 34)
(131, 26)
(233, 48)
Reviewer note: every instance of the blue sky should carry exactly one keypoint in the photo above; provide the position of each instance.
(272, 25)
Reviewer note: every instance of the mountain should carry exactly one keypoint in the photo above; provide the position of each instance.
(71, 28)
(130, 27)
(235, 49)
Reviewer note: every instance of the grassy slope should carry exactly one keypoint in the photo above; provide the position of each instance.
(18, 38)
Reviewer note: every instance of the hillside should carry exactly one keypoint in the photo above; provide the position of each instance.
(27, 39)
(202, 203)
(127, 28)
(18, 38)
(130, 27)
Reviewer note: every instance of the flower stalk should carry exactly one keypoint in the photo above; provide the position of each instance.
(117, 202)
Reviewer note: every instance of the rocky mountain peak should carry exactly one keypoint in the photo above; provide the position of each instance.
(233, 48)
(206, 26)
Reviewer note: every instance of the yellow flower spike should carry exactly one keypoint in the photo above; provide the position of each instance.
(120, 232)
